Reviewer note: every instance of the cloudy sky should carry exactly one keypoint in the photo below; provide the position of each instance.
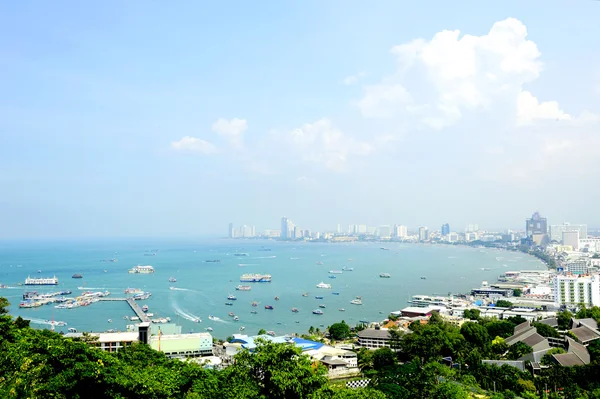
(153, 119)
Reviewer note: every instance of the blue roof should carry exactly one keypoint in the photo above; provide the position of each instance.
(307, 345)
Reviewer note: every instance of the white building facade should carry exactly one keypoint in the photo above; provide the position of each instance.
(572, 290)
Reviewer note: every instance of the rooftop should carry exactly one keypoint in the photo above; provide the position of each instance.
(585, 334)
(373, 333)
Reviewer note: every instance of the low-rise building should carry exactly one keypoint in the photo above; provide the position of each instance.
(374, 338)
(183, 345)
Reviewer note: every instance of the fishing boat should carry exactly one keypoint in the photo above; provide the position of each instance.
(295, 310)
(276, 298)
(335, 293)
(77, 275)
(322, 306)
(269, 307)
(229, 303)
(254, 303)
(318, 297)
(385, 275)
(230, 314)
(232, 298)
(317, 311)
(342, 309)
(243, 288)
(172, 280)
(305, 294)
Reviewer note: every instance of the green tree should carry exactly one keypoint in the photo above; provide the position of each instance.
(545, 330)
(564, 319)
(518, 350)
(517, 292)
(476, 334)
(500, 328)
(471, 314)
(503, 303)
(450, 390)
(383, 357)
(547, 358)
(262, 331)
(339, 331)
(277, 371)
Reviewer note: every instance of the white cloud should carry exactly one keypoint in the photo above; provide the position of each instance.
(462, 73)
(193, 144)
(322, 143)
(350, 80)
(233, 130)
(530, 109)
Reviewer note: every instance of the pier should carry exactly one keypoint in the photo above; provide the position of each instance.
(134, 306)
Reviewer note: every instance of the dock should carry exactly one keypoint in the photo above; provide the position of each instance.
(134, 306)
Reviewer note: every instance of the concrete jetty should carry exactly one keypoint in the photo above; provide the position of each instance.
(134, 306)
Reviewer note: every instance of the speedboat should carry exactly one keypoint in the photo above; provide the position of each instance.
(110, 320)
(242, 328)
(356, 301)
(230, 314)
(342, 309)
(423, 278)
(317, 311)
(145, 308)
(323, 285)
(213, 318)
(271, 333)
(335, 293)
(235, 318)
(295, 310)
(255, 304)
(172, 280)
(269, 307)
(232, 298)
(229, 303)
(318, 297)
(322, 306)
(385, 275)
(276, 298)
(347, 269)
(305, 294)
(209, 329)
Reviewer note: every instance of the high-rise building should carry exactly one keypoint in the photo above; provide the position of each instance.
(231, 231)
(556, 230)
(536, 225)
(572, 290)
(472, 228)
(339, 229)
(571, 238)
(423, 234)
(284, 228)
(445, 229)
(362, 229)
(385, 232)
(400, 231)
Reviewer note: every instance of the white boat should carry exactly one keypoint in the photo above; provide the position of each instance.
(208, 328)
(213, 318)
(243, 288)
(335, 272)
(142, 269)
(385, 275)
(347, 269)
(356, 301)
(323, 285)
(72, 330)
(41, 281)
(172, 280)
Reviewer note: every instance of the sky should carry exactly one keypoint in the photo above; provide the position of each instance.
(131, 119)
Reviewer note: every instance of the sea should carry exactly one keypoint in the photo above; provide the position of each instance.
(202, 287)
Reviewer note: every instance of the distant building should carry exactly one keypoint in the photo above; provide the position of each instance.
(385, 232)
(571, 238)
(231, 231)
(445, 229)
(374, 338)
(183, 345)
(284, 228)
(472, 228)
(423, 234)
(556, 230)
(400, 231)
(536, 225)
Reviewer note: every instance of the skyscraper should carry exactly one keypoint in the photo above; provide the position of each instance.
(536, 225)
(400, 231)
(423, 234)
(385, 231)
(231, 231)
(284, 229)
(445, 229)
(556, 230)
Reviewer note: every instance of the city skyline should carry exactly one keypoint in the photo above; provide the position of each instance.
(174, 120)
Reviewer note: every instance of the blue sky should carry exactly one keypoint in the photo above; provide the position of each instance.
(146, 119)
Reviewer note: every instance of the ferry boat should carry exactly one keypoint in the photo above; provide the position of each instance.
(41, 281)
(335, 272)
(77, 275)
(323, 285)
(347, 269)
(255, 278)
(172, 280)
(317, 311)
(270, 307)
(232, 298)
(142, 269)
(385, 275)
(134, 291)
(243, 287)
(295, 310)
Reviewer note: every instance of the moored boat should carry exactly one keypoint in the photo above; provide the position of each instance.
(269, 307)
(243, 287)
(317, 311)
(77, 275)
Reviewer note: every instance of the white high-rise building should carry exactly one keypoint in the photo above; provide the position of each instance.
(472, 228)
(400, 231)
(571, 238)
(571, 290)
(556, 231)
(362, 229)
(339, 229)
(423, 234)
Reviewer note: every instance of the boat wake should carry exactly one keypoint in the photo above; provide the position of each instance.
(264, 257)
(215, 318)
(179, 289)
(247, 264)
(48, 322)
(184, 314)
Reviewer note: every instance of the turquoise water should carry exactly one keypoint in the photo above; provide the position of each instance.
(203, 287)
